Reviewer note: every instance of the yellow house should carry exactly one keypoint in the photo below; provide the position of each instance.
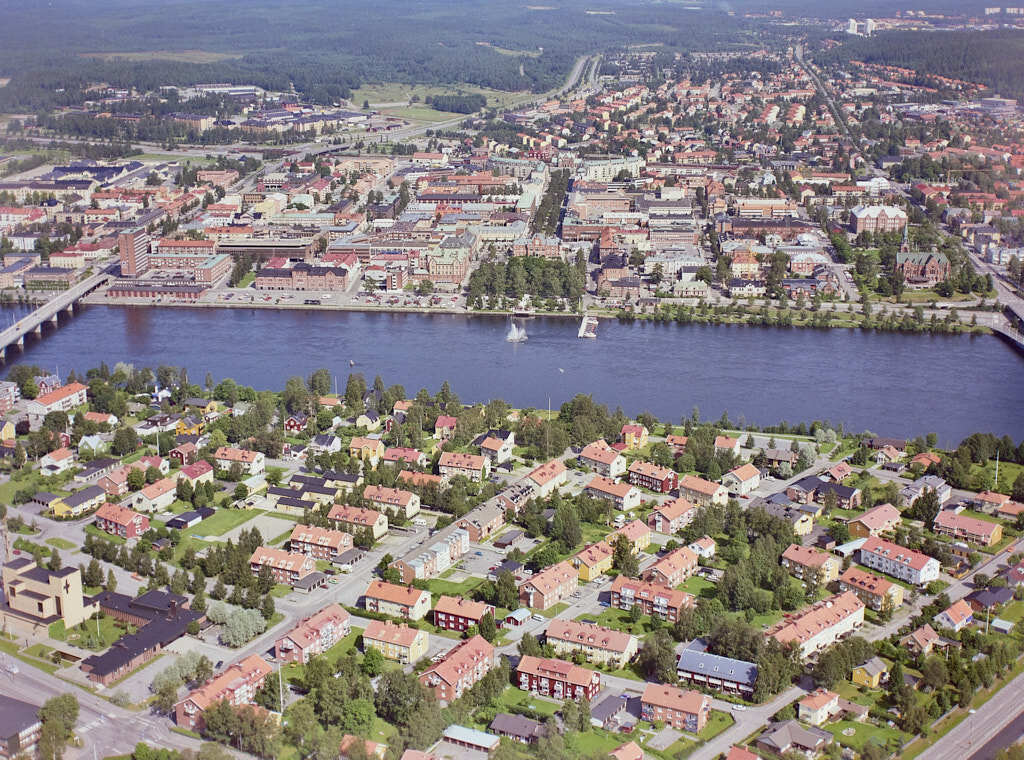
(190, 426)
(206, 406)
(870, 673)
(594, 561)
(368, 420)
(79, 503)
(396, 642)
(368, 449)
(7, 432)
(636, 532)
(634, 436)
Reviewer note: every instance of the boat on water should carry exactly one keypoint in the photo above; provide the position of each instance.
(588, 328)
(516, 333)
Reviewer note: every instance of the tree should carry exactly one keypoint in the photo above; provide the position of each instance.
(506, 594)
(934, 673)
(565, 526)
(488, 628)
(373, 662)
(166, 696)
(62, 713)
(657, 658)
(126, 440)
(623, 558)
(925, 507)
(111, 581)
(136, 479)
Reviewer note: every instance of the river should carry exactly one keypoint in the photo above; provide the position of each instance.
(889, 383)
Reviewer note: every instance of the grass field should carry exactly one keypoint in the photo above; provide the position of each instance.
(180, 56)
(395, 92)
(85, 634)
(718, 722)
(60, 543)
(223, 521)
(862, 733)
(699, 587)
(422, 113)
(1008, 472)
(246, 281)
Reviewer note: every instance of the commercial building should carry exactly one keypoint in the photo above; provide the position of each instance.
(557, 679)
(133, 250)
(459, 670)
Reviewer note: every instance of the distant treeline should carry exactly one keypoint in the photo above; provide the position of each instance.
(325, 54)
(457, 103)
(993, 58)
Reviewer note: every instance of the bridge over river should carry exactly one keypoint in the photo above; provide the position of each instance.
(49, 311)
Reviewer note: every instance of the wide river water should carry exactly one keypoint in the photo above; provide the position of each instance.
(889, 383)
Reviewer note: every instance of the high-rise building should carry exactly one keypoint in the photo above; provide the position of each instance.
(134, 252)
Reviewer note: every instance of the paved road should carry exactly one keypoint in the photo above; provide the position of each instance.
(979, 729)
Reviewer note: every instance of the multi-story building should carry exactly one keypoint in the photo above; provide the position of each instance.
(395, 501)
(603, 459)
(396, 601)
(652, 598)
(121, 521)
(459, 670)
(133, 249)
(35, 595)
(674, 568)
(821, 625)
(652, 477)
(702, 492)
(802, 561)
(880, 519)
(622, 495)
(672, 516)
(396, 642)
(898, 561)
(313, 635)
(357, 519)
(593, 560)
(454, 613)
(473, 466)
(876, 592)
(966, 528)
(423, 563)
(635, 532)
(286, 567)
(600, 645)
(547, 477)
(251, 462)
(9, 395)
(743, 479)
(237, 686)
(319, 543)
(682, 710)
(549, 587)
(20, 728)
(483, 521)
(63, 399)
(877, 219)
(557, 679)
(711, 671)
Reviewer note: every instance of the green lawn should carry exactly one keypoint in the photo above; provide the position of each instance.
(439, 587)
(620, 621)
(222, 521)
(551, 612)
(246, 281)
(699, 586)
(280, 590)
(1008, 472)
(89, 635)
(516, 697)
(718, 722)
(60, 543)
(1013, 612)
(864, 733)
(596, 741)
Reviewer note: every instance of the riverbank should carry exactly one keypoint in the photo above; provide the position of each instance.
(893, 320)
